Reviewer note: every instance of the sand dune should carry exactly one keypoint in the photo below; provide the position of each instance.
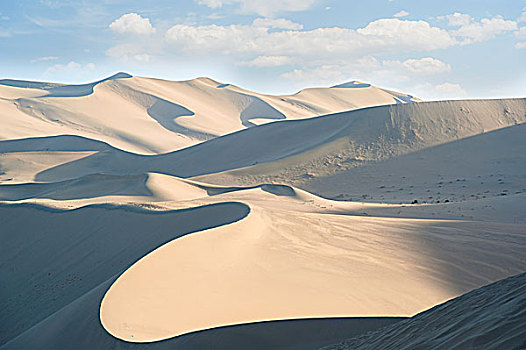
(151, 187)
(277, 267)
(299, 150)
(491, 317)
(266, 259)
(296, 150)
(141, 212)
(161, 116)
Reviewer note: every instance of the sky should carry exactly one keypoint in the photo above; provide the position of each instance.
(431, 49)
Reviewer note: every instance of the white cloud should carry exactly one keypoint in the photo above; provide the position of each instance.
(522, 18)
(472, 31)
(369, 68)
(267, 8)
(214, 16)
(443, 91)
(211, 3)
(521, 33)
(381, 36)
(521, 45)
(416, 35)
(451, 90)
(458, 19)
(268, 61)
(71, 67)
(278, 23)
(132, 23)
(426, 65)
(45, 58)
(4, 34)
(144, 57)
(129, 51)
(401, 14)
(325, 74)
(214, 38)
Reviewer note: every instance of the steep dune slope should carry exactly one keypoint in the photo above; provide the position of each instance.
(293, 150)
(492, 317)
(330, 144)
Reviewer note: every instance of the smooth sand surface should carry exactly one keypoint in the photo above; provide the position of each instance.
(116, 234)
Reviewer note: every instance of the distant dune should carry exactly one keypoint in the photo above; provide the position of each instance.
(151, 116)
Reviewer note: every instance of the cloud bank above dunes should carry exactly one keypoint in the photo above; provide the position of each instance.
(267, 46)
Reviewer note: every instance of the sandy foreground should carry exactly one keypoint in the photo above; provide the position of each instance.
(143, 211)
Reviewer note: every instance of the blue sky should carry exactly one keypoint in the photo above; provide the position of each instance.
(432, 49)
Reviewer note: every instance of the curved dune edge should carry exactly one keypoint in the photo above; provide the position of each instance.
(84, 246)
(269, 267)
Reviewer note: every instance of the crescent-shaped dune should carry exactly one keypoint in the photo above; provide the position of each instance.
(281, 264)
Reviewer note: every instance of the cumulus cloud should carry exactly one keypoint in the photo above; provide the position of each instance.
(418, 35)
(132, 23)
(450, 89)
(522, 18)
(426, 65)
(268, 61)
(381, 36)
(267, 8)
(45, 58)
(458, 19)
(442, 91)
(521, 33)
(211, 3)
(521, 45)
(324, 74)
(71, 67)
(369, 68)
(472, 31)
(401, 14)
(278, 23)
(129, 52)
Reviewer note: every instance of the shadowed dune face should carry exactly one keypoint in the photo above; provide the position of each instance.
(491, 317)
(86, 333)
(53, 257)
(90, 186)
(61, 90)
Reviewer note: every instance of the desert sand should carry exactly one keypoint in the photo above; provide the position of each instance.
(491, 317)
(140, 212)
